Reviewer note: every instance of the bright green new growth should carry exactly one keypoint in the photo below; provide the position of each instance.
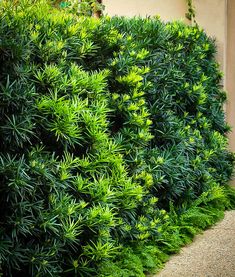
(113, 151)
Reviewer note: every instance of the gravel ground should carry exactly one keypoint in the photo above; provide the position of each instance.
(212, 254)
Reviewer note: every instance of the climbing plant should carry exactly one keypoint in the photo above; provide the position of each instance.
(190, 15)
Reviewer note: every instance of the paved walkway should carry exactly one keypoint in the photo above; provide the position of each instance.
(212, 254)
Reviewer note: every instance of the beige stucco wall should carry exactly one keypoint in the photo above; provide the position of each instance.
(167, 9)
(230, 70)
(211, 15)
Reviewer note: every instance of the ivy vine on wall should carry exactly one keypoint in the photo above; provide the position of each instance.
(190, 15)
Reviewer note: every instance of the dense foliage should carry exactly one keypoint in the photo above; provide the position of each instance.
(113, 150)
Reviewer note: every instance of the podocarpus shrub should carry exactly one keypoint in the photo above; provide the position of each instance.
(174, 66)
(113, 149)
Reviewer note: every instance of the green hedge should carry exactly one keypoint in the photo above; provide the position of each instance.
(113, 150)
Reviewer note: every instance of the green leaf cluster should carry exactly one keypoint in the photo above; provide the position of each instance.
(113, 141)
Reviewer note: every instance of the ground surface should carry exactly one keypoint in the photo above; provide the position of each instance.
(212, 254)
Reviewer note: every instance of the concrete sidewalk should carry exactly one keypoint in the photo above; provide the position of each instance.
(212, 254)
